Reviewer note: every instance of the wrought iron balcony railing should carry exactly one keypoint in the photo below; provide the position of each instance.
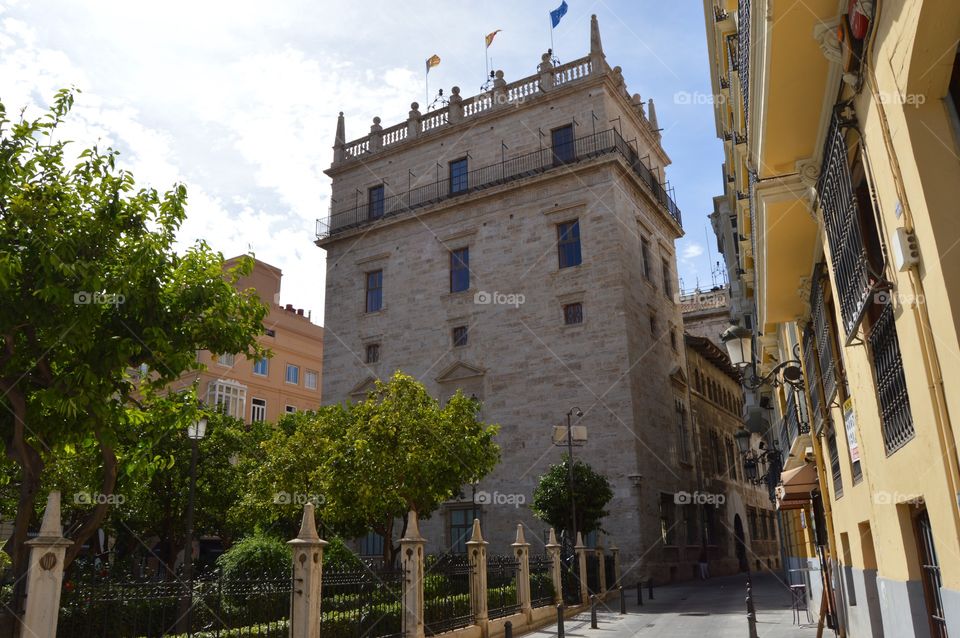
(743, 54)
(608, 142)
(823, 334)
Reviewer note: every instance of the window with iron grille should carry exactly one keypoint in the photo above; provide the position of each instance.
(373, 352)
(891, 383)
(573, 313)
(668, 520)
(459, 336)
(843, 220)
(825, 334)
(371, 544)
(568, 243)
(375, 201)
(683, 446)
(667, 280)
(813, 384)
(459, 269)
(834, 462)
(645, 257)
(458, 176)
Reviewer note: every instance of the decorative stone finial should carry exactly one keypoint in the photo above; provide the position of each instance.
(50, 527)
(596, 47)
(520, 539)
(414, 106)
(476, 537)
(413, 527)
(341, 138)
(455, 91)
(308, 526)
(580, 540)
(552, 538)
(652, 116)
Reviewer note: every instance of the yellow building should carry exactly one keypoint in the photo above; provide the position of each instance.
(841, 132)
(288, 381)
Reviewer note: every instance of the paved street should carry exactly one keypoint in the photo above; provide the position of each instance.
(712, 609)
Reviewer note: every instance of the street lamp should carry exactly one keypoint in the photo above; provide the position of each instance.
(195, 432)
(739, 343)
(753, 459)
(580, 434)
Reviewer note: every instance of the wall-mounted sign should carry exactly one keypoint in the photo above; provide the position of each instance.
(850, 423)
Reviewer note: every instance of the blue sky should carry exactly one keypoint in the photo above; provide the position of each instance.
(239, 99)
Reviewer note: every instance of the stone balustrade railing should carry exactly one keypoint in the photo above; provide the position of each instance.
(459, 109)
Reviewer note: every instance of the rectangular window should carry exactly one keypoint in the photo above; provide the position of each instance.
(374, 291)
(458, 176)
(673, 338)
(563, 144)
(258, 410)
(459, 269)
(459, 336)
(226, 360)
(667, 279)
(291, 409)
(568, 243)
(645, 257)
(375, 202)
(371, 544)
(228, 397)
(667, 519)
(261, 366)
(293, 374)
(573, 313)
(834, 453)
(683, 448)
(373, 352)
(461, 526)
(310, 380)
(270, 332)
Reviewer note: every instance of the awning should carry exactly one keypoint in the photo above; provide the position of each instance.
(795, 486)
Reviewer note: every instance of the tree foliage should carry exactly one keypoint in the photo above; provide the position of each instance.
(591, 490)
(91, 289)
(368, 463)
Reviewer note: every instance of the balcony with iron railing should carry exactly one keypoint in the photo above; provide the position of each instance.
(509, 169)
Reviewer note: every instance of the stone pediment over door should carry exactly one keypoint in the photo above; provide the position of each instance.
(359, 391)
(678, 377)
(462, 376)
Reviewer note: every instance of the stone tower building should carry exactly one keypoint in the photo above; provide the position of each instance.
(519, 244)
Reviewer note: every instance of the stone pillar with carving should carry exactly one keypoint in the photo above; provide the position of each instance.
(455, 106)
(376, 135)
(413, 121)
(553, 553)
(477, 556)
(546, 72)
(45, 575)
(412, 558)
(521, 550)
(601, 564)
(581, 551)
(307, 549)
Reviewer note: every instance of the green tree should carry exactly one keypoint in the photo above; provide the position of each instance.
(369, 463)
(591, 491)
(91, 289)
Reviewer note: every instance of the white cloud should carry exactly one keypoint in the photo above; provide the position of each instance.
(691, 251)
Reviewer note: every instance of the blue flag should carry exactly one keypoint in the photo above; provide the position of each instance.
(558, 13)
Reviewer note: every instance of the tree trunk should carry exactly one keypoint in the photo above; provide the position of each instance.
(389, 549)
(31, 465)
(95, 518)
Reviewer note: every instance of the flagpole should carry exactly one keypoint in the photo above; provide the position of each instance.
(426, 85)
(552, 53)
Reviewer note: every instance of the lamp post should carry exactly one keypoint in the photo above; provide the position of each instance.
(573, 501)
(195, 432)
(739, 343)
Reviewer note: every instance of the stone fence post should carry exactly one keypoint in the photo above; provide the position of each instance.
(553, 553)
(521, 549)
(477, 555)
(601, 565)
(412, 558)
(581, 551)
(45, 575)
(499, 89)
(307, 549)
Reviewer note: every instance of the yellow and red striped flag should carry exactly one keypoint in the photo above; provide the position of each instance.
(491, 36)
(432, 61)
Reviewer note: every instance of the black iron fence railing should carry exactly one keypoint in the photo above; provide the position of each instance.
(106, 608)
(509, 169)
(541, 581)
(502, 595)
(610, 571)
(593, 573)
(570, 578)
(366, 603)
(891, 383)
(446, 593)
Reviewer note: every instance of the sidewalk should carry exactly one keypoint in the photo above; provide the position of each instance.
(699, 609)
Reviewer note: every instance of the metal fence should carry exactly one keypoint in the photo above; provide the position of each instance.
(610, 571)
(541, 581)
(106, 608)
(365, 603)
(502, 595)
(446, 593)
(570, 578)
(593, 573)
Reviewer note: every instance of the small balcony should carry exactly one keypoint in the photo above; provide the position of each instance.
(510, 169)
